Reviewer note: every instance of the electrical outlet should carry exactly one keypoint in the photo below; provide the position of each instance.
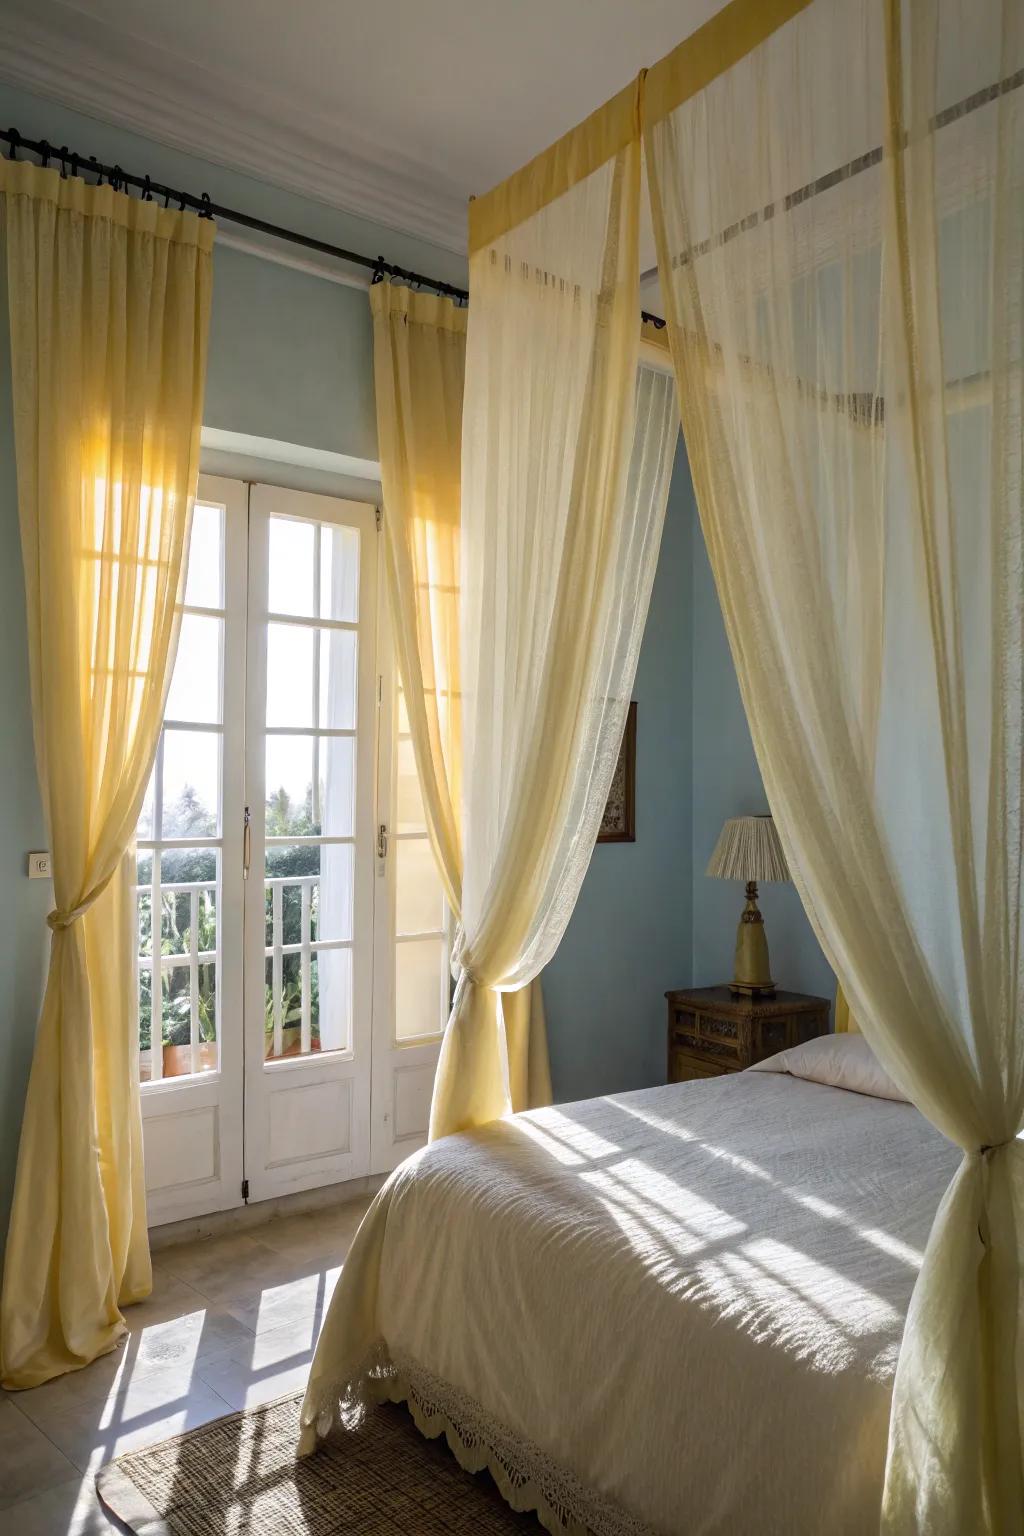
(39, 866)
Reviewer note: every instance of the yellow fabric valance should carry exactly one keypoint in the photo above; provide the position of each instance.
(574, 157)
(722, 42)
(728, 37)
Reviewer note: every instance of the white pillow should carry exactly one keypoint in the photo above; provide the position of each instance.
(840, 1061)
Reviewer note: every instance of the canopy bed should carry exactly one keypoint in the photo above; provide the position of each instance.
(836, 191)
(677, 1310)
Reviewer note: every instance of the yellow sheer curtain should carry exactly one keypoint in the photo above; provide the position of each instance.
(419, 369)
(109, 301)
(840, 222)
(559, 547)
(419, 361)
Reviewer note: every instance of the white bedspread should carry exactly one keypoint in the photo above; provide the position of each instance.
(683, 1305)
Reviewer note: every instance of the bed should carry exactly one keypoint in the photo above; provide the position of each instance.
(672, 1311)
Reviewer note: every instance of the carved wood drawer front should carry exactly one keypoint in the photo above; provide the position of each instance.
(717, 1037)
(684, 1030)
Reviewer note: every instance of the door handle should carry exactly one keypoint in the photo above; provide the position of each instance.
(246, 843)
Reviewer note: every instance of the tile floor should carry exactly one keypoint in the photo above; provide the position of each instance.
(231, 1323)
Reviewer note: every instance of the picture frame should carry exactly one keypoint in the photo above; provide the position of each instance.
(618, 823)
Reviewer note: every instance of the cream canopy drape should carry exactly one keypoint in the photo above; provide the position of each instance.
(560, 542)
(840, 220)
(109, 302)
(419, 365)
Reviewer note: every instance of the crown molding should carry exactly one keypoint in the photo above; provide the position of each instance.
(201, 113)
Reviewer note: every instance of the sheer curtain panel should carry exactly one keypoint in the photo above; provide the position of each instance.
(419, 362)
(559, 549)
(109, 301)
(419, 369)
(840, 223)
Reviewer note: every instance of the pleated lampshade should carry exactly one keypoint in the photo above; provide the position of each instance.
(748, 848)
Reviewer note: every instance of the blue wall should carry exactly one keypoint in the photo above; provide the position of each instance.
(629, 938)
(727, 782)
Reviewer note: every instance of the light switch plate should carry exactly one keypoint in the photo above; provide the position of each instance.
(39, 866)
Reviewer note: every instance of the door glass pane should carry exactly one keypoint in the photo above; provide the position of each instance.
(332, 896)
(176, 1012)
(187, 909)
(410, 800)
(419, 966)
(191, 798)
(338, 660)
(205, 585)
(333, 1003)
(337, 800)
(195, 684)
(329, 1002)
(290, 697)
(419, 900)
(311, 677)
(145, 1023)
(291, 565)
(339, 573)
(289, 787)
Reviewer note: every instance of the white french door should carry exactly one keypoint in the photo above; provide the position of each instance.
(294, 979)
(189, 862)
(411, 937)
(310, 763)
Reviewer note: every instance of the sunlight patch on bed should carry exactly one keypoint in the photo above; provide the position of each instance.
(859, 1310)
(771, 1312)
(646, 1206)
(549, 1144)
(577, 1136)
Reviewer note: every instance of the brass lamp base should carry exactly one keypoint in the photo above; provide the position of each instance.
(752, 975)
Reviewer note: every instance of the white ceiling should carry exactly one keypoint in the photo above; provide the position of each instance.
(394, 109)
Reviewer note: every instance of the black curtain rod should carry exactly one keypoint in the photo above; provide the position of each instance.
(85, 165)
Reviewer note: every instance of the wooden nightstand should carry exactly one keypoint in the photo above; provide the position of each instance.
(711, 1032)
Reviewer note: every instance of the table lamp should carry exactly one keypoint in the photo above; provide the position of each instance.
(748, 849)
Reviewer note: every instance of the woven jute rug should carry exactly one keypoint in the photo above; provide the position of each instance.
(239, 1474)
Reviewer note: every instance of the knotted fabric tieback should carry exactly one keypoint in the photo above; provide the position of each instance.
(57, 920)
(997, 1146)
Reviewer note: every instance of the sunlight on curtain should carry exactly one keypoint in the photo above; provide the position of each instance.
(560, 542)
(419, 368)
(846, 325)
(109, 301)
(419, 363)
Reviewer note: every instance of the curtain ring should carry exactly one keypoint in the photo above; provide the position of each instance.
(206, 211)
(97, 169)
(74, 164)
(62, 154)
(44, 154)
(15, 139)
(147, 191)
(117, 180)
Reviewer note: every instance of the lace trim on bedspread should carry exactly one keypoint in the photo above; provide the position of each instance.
(528, 1479)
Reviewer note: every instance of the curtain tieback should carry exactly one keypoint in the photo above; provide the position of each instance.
(996, 1146)
(57, 920)
(61, 919)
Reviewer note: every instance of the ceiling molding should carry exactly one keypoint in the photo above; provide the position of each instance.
(190, 108)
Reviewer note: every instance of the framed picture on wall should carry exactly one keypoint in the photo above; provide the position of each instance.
(618, 824)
